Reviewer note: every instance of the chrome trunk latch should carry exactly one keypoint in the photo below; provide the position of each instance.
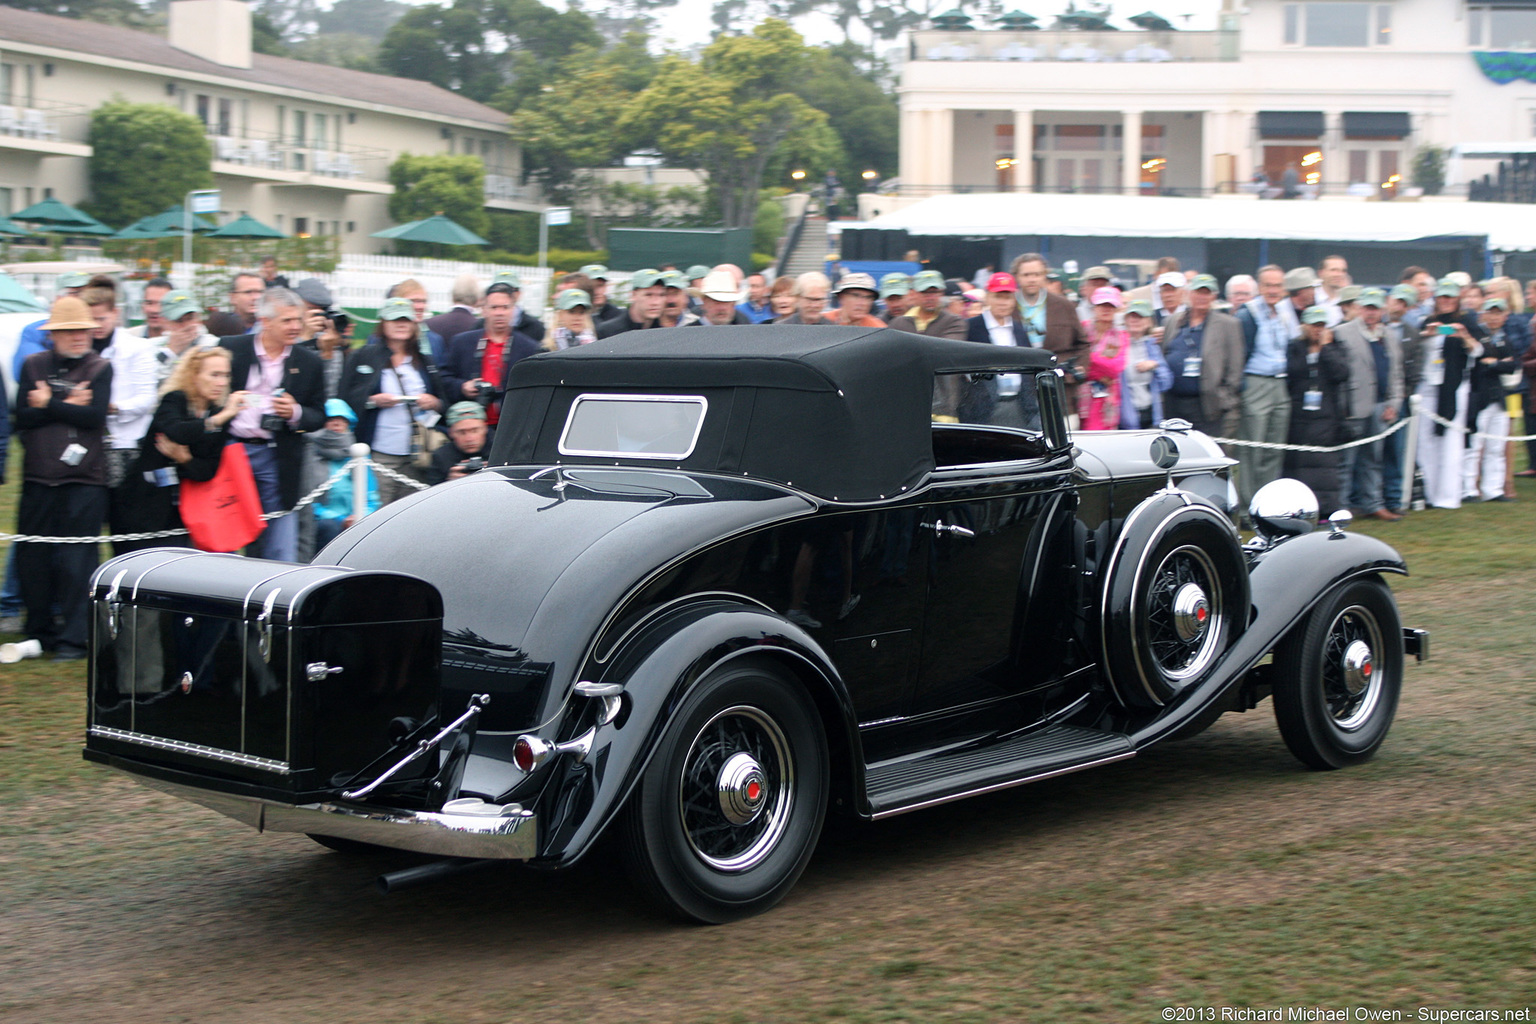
(316, 671)
(958, 531)
(114, 603)
(264, 625)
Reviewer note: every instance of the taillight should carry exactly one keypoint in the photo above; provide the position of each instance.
(529, 752)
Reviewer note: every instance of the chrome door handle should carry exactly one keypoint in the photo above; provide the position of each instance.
(958, 531)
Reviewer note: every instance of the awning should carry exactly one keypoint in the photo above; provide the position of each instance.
(1290, 124)
(1371, 124)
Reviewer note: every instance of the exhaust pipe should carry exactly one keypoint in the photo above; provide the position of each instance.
(405, 878)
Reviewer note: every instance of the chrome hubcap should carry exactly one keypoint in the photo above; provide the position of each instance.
(737, 789)
(1191, 612)
(1352, 685)
(742, 788)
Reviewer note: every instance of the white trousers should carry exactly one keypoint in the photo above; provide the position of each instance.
(1439, 456)
(1493, 421)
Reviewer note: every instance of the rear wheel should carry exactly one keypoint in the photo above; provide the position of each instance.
(1338, 676)
(727, 814)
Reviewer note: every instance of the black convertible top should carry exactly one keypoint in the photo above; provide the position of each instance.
(841, 412)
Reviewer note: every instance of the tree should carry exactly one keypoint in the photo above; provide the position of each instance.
(371, 18)
(440, 183)
(726, 115)
(145, 158)
(1428, 171)
(862, 116)
(479, 47)
(108, 12)
(339, 49)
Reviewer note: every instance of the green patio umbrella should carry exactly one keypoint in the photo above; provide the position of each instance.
(173, 222)
(1151, 22)
(54, 215)
(137, 231)
(7, 228)
(436, 228)
(246, 226)
(16, 299)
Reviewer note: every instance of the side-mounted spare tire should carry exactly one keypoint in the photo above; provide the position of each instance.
(1175, 598)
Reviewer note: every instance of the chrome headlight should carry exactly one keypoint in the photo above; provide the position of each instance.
(1283, 508)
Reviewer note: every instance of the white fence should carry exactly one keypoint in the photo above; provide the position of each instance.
(362, 281)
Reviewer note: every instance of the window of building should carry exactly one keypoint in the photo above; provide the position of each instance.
(6, 207)
(300, 127)
(7, 81)
(1080, 137)
(205, 109)
(226, 119)
(321, 124)
(1337, 23)
(1502, 27)
(301, 226)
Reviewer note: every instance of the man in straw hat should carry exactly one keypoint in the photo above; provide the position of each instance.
(62, 398)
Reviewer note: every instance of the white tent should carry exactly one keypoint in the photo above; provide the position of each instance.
(1510, 227)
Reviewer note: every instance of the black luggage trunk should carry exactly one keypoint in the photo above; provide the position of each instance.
(294, 681)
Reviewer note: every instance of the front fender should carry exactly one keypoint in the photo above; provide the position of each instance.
(1284, 583)
(658, 667)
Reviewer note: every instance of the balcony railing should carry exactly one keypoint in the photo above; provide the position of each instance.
(44, 121)
(265, 152)
(1080, 47)
(503, 187)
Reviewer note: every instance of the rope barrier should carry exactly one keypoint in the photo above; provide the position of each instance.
(346, 467)
(304, 502)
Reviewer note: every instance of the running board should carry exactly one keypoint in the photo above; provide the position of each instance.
(1055, 750)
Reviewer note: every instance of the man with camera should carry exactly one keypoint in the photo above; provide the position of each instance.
(286, 400)
(469, 442)
(63, 394)
(478, 360)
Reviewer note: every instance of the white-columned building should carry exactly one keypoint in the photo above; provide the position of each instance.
(1346, 91)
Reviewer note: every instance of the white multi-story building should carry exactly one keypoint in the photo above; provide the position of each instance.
(304, 147)
(1346, 91)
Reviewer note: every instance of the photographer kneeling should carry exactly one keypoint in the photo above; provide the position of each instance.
(469, 442)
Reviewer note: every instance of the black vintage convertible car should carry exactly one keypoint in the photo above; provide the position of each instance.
(718, 582)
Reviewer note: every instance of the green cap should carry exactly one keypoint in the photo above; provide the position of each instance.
(176, 305)
(596, 271)
(674, 279)
(1407, 292)
(697, 272)
(571, 298)
(1205, 281)
(1493, 304)
(509, 279)
(894, 284)
(397, 309)
(1374, 297)
(73, 279)
(646, 278)
(1141, 307)
(1315, 315)
(926, 279)
(1448, 288)
(464, 411)
(1350, 293)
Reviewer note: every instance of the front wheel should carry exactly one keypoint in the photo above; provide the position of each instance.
(1338, 676)
(728, 812)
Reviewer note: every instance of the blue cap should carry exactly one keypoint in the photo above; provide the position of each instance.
(336, 407)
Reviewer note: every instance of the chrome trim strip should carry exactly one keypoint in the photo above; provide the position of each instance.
(196, 749)
(1003, 785)
(512, 833)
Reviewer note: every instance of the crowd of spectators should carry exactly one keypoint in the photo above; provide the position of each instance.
(111, 419)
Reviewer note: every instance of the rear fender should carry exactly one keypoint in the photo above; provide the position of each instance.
(1285, 582)
(658, 667)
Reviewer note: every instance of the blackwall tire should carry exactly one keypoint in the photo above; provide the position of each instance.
(1338, 676)
(728, 812)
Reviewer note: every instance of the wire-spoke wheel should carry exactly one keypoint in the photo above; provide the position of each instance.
(1184, 614)
(726, 815)
(1338, 676)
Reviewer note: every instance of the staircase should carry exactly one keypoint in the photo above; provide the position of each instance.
(810, 251)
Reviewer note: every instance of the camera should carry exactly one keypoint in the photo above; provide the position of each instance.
(271, 422)
(60, 387)
(339, 319)
(407, 399)
(473, 465)
(484, 390)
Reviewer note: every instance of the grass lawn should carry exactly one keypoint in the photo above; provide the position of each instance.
(1213, 873)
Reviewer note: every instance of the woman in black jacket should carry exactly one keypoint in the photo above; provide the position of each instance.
(394, 388)
(185, 441)
(1317, 375)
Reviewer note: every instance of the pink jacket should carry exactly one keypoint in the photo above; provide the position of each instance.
(1100, 396)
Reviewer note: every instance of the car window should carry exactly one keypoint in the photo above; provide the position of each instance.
(634, 426)
(992, 399)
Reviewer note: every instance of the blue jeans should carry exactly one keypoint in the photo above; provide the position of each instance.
(10, 594)
(280, 540)
(1392, 451)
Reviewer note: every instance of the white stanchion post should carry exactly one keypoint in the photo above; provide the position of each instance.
(1411, 452)
(360, 453)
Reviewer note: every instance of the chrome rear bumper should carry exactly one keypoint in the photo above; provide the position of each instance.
(463, 829)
